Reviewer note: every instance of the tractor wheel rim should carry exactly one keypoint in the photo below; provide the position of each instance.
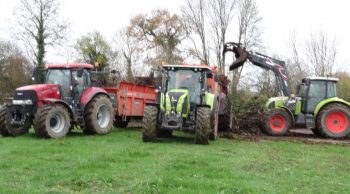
(277, 123)
(57, 122)
(103, 116)
(337, 122)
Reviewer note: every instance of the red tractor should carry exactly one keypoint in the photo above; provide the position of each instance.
(67, 98)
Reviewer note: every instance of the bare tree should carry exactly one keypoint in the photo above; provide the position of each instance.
(194, 15)
(296, 66)
(129, 48)
(15, 69)
(249, 33)
(321, 54)
(40, 26)
(220, 13)
(249, 22)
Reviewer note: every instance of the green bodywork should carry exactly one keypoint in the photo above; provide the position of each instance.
(280, 101)
(327, 101)
(209, 100)
(180, 102)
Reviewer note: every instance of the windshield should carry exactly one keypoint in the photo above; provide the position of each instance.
(186, 79)
(60, 77)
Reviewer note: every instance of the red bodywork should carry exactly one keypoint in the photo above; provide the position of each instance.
(69, 66)
(89, 93)
(131, 98)
(43, 91)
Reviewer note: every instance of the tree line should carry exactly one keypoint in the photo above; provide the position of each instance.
(198, 34)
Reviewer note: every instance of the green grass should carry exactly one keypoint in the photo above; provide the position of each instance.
(121, 163)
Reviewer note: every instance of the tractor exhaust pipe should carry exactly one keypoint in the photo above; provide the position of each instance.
(240, 53)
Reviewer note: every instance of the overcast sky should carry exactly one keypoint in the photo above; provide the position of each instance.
(280, 18)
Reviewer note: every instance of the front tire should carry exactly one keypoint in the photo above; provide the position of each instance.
(99, 116)
(149, 124)
(11, 130)
(333, 121)
(202, 126)
(276, 122)
(3, 130)
(52, 121)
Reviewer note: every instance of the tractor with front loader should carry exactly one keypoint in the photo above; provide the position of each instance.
(66, 99)
(315, 105)
(189, 98)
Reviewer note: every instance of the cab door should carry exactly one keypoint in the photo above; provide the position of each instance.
(316, 93)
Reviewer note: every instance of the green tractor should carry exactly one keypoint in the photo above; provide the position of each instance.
(190, 98)
(316, 105)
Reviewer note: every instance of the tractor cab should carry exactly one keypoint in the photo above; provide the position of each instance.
(313, 90)
(72, 80)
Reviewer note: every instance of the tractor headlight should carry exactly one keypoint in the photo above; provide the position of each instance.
(22, 102)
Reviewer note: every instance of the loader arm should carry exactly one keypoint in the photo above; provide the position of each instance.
(276, 66)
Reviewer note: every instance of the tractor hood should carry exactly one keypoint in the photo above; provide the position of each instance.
(178, 101)
(38, 91)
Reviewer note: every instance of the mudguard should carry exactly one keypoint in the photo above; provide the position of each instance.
(90, 93)
(323, 103)
(59, 101)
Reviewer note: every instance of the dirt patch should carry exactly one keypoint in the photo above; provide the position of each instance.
(295, 135)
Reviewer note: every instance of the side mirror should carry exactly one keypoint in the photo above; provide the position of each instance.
(80, 72)
(35, 74)
(151, 74)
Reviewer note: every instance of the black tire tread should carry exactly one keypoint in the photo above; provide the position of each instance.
(266, 121)
(320, 126)
(225, 119)
(3, 130)
(90, 118)
(202, 126)
(149, 124)
(39, 121)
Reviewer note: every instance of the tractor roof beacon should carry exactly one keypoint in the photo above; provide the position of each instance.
(315, 105)
(67, 98)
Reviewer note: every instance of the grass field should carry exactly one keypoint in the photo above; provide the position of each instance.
(121, 163)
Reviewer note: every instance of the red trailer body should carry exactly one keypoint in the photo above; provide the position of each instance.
(130, 98)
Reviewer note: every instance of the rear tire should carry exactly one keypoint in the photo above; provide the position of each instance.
(202, 126)
(149, 124)
(52, 121)
(225, 119)
(9, 130)
(333, 121)
(276, 122)
(99, 116)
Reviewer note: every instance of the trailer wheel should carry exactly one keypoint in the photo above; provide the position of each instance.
(99, 116)
(333, 121)
(52, 121)
(149, 124)
(276, 122)
(12, 130)
(202, 126)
